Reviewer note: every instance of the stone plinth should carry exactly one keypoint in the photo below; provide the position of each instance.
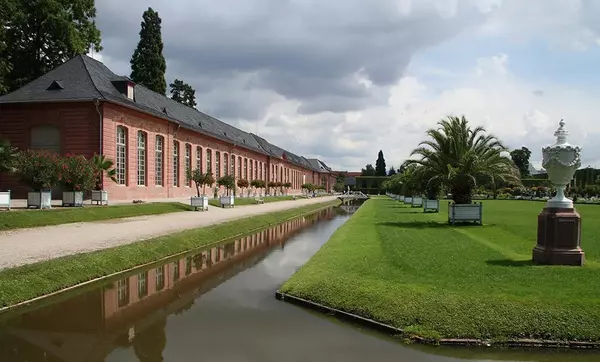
(559, 237)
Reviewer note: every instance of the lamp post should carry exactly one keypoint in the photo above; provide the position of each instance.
(559, 224)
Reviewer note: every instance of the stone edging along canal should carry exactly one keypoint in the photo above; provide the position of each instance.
(391, 330)
(90, 282)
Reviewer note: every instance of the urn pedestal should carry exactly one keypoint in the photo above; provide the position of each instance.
(559, 237)
(559, 224)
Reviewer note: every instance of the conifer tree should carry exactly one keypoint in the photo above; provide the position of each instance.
(148, 65)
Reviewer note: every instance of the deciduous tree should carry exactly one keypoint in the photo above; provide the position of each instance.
(521, 158)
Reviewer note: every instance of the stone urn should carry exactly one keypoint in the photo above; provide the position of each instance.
(559, 224)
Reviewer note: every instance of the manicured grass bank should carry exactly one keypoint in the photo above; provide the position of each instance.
(30, 281)
(411, 270)
(239, 201)
(35, 218)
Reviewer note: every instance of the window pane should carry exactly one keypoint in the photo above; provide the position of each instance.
(175, 163)
(121, 166)
(141, 158)
(159, 161)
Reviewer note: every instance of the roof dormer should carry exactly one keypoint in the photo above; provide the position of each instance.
(125, 87)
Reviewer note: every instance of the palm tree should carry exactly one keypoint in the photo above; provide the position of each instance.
(104, 165)
(458, 156)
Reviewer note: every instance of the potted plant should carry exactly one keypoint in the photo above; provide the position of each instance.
(8, 155)
(78, 174)
(229, 183)
(279, 185)
(104, 166)
(200, 180)
(287, 186)
(40, 171)
(242, 184)
(272, 188)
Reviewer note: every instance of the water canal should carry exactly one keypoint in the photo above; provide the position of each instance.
(218, 305)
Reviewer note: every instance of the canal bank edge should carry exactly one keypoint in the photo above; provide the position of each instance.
(411, 337)
(14, 278)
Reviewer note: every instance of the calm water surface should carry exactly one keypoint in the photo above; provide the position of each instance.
(218, 305)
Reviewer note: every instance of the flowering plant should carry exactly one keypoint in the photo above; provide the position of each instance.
(40, 170)
(78, 173)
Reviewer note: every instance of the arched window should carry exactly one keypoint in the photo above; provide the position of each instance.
(217, 164)
(159, 160)
(225, 164)
(121, 164)
(175, 164)
(255, 170)
(141, 158)
(245, 168)
(199, 158)
(239, 167)
(233, 165)
(251, 169)
(208, 160)
(188, 163)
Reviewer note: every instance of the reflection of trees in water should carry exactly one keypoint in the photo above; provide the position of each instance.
(150, 343)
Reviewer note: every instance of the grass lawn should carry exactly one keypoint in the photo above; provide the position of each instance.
(412, 270)
(34, 218)
(29, 281)
(239, 201)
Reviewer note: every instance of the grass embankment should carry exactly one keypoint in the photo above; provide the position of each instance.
(18, 219)
(412, 270)
(30, 281)
(240, 201)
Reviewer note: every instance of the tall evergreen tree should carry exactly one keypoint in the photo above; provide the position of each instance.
(37, 36)
(148, 65)
(380, 169)
(392, 171)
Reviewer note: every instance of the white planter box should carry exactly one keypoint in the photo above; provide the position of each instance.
(227, 201)
(39, 199)
(5, 199)
(72, 198)
(465, 213)
(200, 202)
(401, 198)
(417, 202)
(408, 200)
(431, 205)
(100, 197)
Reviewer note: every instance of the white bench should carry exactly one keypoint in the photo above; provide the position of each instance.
(5, 199)
(465, 213)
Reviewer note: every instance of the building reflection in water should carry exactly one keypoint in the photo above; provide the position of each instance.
(132, 311)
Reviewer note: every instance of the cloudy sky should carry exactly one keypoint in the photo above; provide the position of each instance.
(340, 80)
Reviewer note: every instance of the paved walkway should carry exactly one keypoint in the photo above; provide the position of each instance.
(26, 246)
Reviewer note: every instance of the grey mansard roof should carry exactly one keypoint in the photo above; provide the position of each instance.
(85, 79)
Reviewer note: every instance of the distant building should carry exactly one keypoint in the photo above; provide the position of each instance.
(82, 107)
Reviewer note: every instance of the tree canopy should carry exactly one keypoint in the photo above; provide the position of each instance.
(521, 158)
(183, 93)
(148, 65)
(368, 170)
(392, 171)
(457, 156)
(380, 168)
(38, 36)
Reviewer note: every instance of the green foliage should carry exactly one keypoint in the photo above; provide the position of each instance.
(242, 183)
(287, 185)
(228, 182)
(341, 177)
(78, 173)
(391, 171)
(104, 166)
(521, 159)
(457, 156)
(38, 36)
(416, 272)
(368, 170)
(535, 182)
(148, 65)
(259, 184)
(183, 93)
(338, 187)
(200, 180)
(8, 155)
(40, 170)
(380, 168)
(272, 184)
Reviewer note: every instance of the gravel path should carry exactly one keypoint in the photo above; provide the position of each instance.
(26, 246)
